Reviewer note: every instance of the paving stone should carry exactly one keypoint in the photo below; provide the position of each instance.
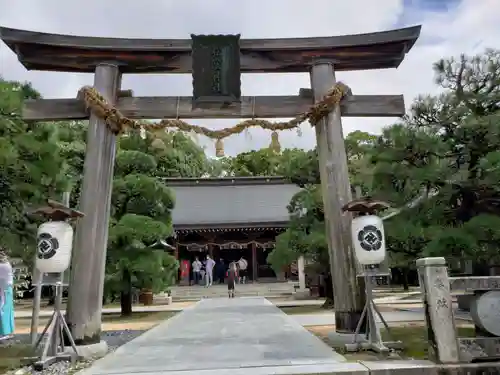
(237, 336)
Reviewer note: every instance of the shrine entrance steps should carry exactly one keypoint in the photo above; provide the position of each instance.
(244, 335)
(267, 290)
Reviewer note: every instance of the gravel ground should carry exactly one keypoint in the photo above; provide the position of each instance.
(115, 339)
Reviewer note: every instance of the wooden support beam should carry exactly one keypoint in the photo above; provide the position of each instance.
(181, 107)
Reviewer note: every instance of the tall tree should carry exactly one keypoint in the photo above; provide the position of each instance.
(306, 232)
(449, 144)
(141, 210)
(33, 169)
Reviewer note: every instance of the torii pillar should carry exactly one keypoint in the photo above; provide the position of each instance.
(336, 192)
(91, 240)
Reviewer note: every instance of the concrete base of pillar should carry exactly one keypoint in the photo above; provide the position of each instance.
(91, 351)
(339, 340)
(301, 294)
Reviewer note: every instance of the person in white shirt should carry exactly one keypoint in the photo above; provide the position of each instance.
(209, 268)
(242, 265)
(196, 265)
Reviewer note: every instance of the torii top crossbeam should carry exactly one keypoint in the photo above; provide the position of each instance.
(66, 53)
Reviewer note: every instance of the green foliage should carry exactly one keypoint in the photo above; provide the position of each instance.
(33, 169)
(306, 232)
(130, 253)
(476, 239)
(177, 155)
(141, 209)
(138, 231)
(131, 161)
(264, 162)
(42, 160)
(143, 195)
(448, 144)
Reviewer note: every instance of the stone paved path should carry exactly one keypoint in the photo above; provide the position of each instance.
(328, 318)
(225, 336)
(25, 311)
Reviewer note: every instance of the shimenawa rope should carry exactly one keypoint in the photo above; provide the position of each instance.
(118, 123)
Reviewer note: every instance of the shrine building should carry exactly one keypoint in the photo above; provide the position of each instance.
(230, 217)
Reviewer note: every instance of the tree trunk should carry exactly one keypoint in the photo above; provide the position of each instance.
(406, 286)
(126, 294)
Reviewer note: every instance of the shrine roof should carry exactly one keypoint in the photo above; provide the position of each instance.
(70, 53)
(231, 202)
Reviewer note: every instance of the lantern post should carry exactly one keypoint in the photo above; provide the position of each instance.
(368, 238)
(53, 255)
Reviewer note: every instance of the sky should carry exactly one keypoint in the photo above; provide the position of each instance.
(449, 28)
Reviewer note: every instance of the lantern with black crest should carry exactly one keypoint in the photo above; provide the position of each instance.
(367, 230)
(55, 237)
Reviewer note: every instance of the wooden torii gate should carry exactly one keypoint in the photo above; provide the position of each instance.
(109, 58)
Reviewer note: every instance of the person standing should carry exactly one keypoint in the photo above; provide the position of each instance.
(6, 297)
(209, 268)
(242, 274)
(203, 271)
(196, 270)
(220, 271)
(232, 275)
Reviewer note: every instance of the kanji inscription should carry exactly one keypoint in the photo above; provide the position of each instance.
(216, 69)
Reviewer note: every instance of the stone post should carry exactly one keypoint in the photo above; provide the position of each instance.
(435, 288)
(302, 273)
(89, 256)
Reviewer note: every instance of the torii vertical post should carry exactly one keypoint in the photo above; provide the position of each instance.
(89, 257)
(336, 191)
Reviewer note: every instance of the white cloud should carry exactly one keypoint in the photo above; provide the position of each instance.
(469, 28)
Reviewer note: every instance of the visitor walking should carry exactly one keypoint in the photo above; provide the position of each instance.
(232, 275)
(209, 268)
(6, 298)
(196, 270)
(242, 274)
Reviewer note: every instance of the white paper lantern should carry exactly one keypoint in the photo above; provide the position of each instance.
(55, 243)
(368, 239)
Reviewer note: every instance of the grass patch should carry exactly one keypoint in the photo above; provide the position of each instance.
(143, 316)
(138, 320)
(19, 355)
(315, 309)
(413, 336)
(415, 339)
(15, 356)
(27, 305)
